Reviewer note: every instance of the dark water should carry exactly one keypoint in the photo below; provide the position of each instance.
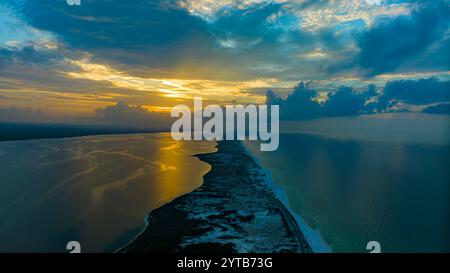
(356, 191)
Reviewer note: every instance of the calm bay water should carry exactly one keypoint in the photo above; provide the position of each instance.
(95, 190)
(355, 191)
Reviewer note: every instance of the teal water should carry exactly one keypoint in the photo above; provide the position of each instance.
(355, 191)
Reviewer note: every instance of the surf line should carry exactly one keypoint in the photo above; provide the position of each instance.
(235, 119)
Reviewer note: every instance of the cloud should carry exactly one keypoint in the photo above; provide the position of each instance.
(298, 105)
(312, 4)
(233, 40)
(105, 23)
(440, 109)
(391, 43)
(302, 103)
(259, 39)
(122, 114)
(23, 114)
(402, 95)
(119, 115)
(211, 9)
(142, 36)
(72, 60)
(345, 102)
(16, 33)
(30, 54)
(346, 13)
(415, 92)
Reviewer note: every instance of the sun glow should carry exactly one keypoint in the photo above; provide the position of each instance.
(218, 91)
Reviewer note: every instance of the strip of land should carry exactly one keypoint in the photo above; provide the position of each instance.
(234, 210)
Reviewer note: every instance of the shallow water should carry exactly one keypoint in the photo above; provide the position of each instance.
(95, 190)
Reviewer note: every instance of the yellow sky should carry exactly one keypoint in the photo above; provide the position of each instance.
(178, 90)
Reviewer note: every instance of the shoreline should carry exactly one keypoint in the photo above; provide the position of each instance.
(146, 219)
(312, 236)
(234, 211)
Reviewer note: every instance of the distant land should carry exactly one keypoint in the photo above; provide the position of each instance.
(24, 131)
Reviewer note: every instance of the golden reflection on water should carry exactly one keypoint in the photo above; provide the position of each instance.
(95, 190)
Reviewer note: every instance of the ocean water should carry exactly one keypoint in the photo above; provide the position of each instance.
(356, 188)
(96, 190)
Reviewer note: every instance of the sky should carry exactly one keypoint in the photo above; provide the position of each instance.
(112, 61)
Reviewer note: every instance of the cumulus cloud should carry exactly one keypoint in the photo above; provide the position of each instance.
(125, 115)
(346, 102)
(302, 103)
(298, 105)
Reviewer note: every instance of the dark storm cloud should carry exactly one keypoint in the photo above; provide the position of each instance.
(135, 35)
(105, 23)
(345, 102)
(415, 92)
(298, 105)
(153, 37)
(301, 104)
(391, 43)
